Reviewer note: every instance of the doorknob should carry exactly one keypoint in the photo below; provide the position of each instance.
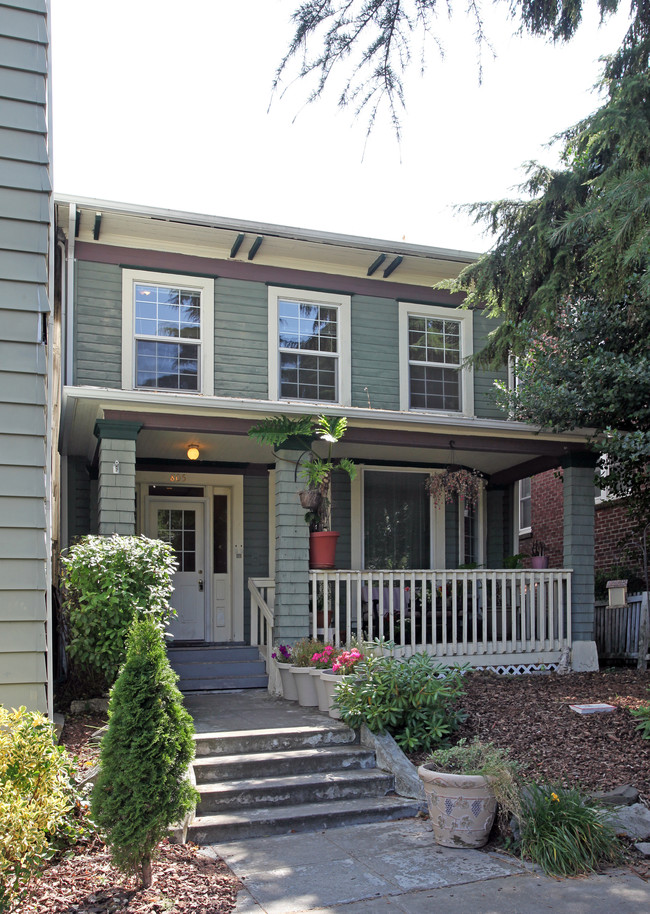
(201, 586)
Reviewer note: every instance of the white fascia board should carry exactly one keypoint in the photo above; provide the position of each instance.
(195, 404)
(266, 228)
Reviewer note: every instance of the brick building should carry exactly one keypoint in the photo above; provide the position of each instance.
(541, 520)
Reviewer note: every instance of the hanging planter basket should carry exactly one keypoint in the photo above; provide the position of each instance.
(455, 481)
(310, 499)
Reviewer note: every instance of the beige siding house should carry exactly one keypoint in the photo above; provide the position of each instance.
(24, 319)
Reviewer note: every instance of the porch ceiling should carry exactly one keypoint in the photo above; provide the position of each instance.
(503, 452)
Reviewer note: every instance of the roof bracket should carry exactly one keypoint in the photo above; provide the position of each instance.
(376, 264)
(77, 223)
(392, 266)
(237, 244)
(255, 247)
(97, 226)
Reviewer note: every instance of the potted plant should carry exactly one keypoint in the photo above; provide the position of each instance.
(316, 470)
(302, 653)
(463, 786)
(538, 556)
(282, 656)
(343, 664)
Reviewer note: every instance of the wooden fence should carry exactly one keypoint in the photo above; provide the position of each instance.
(617, 629)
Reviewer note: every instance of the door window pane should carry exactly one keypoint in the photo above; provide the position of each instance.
(178, 527)
(220, 534)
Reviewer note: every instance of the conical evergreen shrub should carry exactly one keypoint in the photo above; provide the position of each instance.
(142, 786)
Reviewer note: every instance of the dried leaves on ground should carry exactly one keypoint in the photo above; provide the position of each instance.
(185, 882)
(83, 881)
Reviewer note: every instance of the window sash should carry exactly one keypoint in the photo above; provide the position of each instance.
(315, 372)
(167, 336)
(434, 363)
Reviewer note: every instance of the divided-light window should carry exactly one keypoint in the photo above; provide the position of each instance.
(434, 348)
(308, 337)
(167, 337)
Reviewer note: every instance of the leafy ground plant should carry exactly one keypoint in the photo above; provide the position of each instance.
(564, 834)
(414, 699)
(142, 786)
(38, 800)
(643, 715)
(109, 581)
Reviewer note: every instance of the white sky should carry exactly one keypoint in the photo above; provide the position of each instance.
(165, 103)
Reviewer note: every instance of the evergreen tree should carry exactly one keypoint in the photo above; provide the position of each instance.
(142, 786)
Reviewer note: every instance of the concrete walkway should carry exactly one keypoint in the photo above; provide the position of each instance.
(388, 866)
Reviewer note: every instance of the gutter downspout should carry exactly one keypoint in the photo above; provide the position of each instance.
(68, 302)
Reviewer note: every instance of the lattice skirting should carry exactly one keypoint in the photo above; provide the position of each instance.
(519, 669)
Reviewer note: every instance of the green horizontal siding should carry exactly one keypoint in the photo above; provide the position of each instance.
(256, 538)
(375, 355)
(98, 325)
(485, 406)
(24, 232)
(79, 499)
(240, 339)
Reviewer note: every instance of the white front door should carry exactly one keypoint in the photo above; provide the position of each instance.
(181, 523)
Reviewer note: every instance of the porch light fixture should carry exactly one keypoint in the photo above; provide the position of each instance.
(193, 452)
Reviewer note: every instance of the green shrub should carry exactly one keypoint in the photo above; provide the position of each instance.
(643, 713)
(37, 799)
(109, 581)
(142, 786)
(565, 835)
(413, 699)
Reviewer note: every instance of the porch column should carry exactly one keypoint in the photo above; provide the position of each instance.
(116, 482)
(291, 554)
(579, 554)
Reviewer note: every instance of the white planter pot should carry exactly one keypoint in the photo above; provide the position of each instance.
(289, 690)
(329, 681)
(462, 807)
(306, 686)
(321, 691)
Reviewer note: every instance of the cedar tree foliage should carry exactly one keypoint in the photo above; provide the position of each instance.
(142, 786)
(371, 43)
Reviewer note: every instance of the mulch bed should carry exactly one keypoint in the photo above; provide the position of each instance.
(530, 715)
(84, 882)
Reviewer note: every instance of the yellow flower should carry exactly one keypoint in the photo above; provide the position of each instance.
(555, 798)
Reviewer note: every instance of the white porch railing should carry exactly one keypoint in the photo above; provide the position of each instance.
(497, 616)
(262, 591)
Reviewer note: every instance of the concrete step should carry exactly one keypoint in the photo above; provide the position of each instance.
(257, 823)
(230, 742)
(278, 764)
(292, 790)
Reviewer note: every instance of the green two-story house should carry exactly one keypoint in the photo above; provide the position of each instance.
(182, 331)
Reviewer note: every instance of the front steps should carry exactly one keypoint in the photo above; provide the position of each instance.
(271, 782)
(214, 667)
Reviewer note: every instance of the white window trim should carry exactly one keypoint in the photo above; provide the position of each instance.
(466, 320)
(200, 283)
(481, 529)
(523, 530)
(343, 304)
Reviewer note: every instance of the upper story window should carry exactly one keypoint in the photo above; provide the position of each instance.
(167, 332)
(434, 342)
(309, 346)
(525, 514)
